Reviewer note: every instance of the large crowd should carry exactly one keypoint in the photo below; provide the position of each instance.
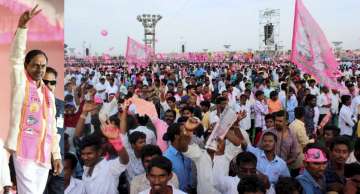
(291, 133)
(195, 123)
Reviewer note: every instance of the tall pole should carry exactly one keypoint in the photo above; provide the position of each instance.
(153, 46)
(149, 23)
(227, 46)
(337, 48)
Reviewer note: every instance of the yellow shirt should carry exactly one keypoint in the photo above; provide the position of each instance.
(297, 127)
(206, 121)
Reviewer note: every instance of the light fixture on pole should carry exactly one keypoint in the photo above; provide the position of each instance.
(227, 46)
(337, 48)
(149, 22)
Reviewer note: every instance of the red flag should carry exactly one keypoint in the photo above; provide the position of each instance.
(311, 51)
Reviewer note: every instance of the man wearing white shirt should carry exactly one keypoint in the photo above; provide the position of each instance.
(355, 105)
(134, 145)
(72, 185)
(260, 109)
(346, 122)
(313, 89)
(123, 89)
(335, 101)
(282, 95)
(101, 88)
(245, 124)
(111, 89)
(117, 78)
(205, 158)
(324, 103)
(246, 163)
(221, 103)
(267, 89)
(159, 174)
(221, 86)
(32, 140)
(92, 80)
(316, 116)
(150, 135)
(234, 93)
(101, 175)
(275, 77)
(242, 85)
(140, 182)
(214, 73)
(78, 77)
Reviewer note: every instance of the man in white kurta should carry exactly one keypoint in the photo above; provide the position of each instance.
(31, 175)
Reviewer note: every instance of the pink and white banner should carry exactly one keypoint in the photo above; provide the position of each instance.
(47, 26)
(137, 54)
(311, 51)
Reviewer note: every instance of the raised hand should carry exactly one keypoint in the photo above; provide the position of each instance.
(191, 124)
(220, 147)
(88, 107)
(162, 88)
(110, 131)
(27, 16)
(241, 115)
(125, 106)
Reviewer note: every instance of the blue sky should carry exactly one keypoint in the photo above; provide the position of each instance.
(200, 24)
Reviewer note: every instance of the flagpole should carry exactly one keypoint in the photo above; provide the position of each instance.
(287, 90)
(291, 57)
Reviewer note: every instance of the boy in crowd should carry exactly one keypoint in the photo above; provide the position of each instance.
(330, 132)
(101, 175)
(246, 163)
(137, 141)
(72, 185)
(140, 182)
(334, 173)
(159, 174)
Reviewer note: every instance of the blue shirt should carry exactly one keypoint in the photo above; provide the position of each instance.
(272, 169)
(309, 185)
(181, 165)
(331, 176)
(291, 105)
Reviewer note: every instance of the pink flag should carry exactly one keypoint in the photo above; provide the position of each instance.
(144, 107)
(311, 51)
(106, 57)
(137, 53)
(161, 128)
(48, 25)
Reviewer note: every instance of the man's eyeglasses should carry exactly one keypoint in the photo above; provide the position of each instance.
(51, 82)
